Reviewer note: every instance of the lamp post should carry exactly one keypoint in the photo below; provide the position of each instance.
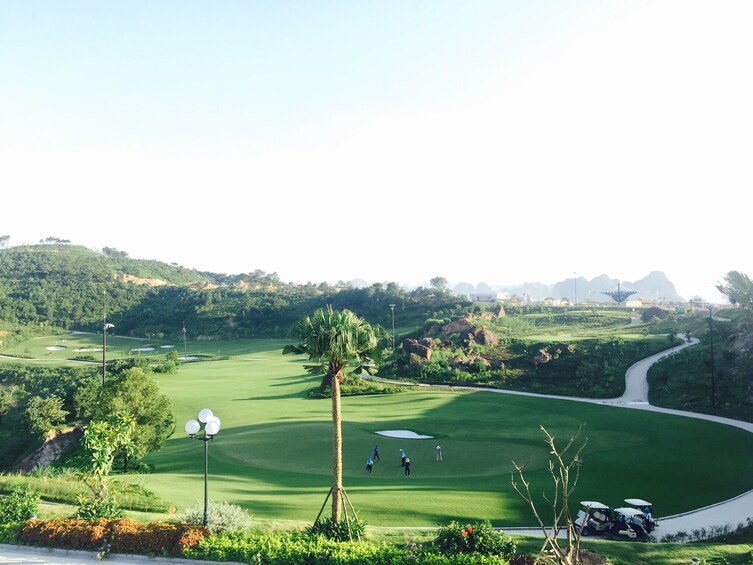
(211, 427)
(392, 307)
(711, 344)
(104, 350)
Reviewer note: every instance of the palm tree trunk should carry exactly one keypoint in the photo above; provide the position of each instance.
(337, 451)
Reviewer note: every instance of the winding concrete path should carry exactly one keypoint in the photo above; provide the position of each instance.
(730, 512)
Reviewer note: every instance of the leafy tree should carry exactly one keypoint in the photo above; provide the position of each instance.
(438, 283)
(135, 393)
(335, 338)
(739, 290)
(44, 414)
(103, 440)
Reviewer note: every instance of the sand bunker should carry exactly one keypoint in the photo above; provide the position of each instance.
(88, 350)
(56, 347)
(166, 346)
(143, 349)
(405, 434)
(189, 358)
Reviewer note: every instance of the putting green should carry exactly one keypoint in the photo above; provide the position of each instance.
(273, 454)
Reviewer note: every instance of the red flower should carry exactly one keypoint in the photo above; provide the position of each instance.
(470, 529)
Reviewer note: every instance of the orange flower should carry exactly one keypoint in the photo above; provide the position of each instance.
(464, 533)
(470, 529)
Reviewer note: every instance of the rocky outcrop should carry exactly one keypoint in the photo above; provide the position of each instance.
(54, 446)
(412, 347)
(482, 336)
(542, 357)
(560, 349)
(138, 280)
(462, 326)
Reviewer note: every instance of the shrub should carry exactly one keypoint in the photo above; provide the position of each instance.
(300, 548)
(521, 559)
(344, 530)
(155, 538)
(99, 507)
(221, 517)
(9, 533)
(119, 536)
(21, 504)
(479, 537)
(66, 533)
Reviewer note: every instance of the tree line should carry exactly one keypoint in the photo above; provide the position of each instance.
(72, 287)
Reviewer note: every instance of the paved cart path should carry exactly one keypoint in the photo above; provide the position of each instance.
(728, 512)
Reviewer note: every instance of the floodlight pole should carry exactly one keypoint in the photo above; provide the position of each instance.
(711, 346)
(105, 327)
(575, 285)
(392, 307)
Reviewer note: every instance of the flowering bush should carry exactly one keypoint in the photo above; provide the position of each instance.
(117, 536)
(479, 537)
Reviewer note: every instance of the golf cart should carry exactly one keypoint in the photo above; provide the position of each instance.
(629, 524)
(646, 508)
(593, 518)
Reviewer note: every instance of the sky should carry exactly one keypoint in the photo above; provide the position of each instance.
(395, 141)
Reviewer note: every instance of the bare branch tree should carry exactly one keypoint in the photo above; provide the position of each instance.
(564, 471)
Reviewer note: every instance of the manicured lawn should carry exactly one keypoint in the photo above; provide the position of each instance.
(273, 454)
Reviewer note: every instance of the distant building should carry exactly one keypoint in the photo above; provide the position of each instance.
(487, 296)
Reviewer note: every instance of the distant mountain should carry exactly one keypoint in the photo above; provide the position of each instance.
(654, 286)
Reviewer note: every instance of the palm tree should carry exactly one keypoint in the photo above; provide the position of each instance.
(335, 338)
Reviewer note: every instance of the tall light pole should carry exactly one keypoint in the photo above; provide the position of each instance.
(392, 307)
(711, 344)
(105, 327)
(211, 427)
(575, 285)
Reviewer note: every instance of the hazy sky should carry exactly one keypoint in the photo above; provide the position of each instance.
(493, 141)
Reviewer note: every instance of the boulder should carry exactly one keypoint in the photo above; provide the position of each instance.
(411, 346)
(462, 326)
(542, 357)
(483, 336)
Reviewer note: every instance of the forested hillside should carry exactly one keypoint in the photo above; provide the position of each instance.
(72, 287)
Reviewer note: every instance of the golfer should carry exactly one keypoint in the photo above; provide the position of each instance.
(402, 458)
(376, 453)
(369, 464)
(407, 467)
(439, 453)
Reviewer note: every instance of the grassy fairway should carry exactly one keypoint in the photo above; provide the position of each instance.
(273, 455)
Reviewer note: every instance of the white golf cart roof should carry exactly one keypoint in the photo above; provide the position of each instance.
(594, 505)
(637, 502)
(628, 511)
